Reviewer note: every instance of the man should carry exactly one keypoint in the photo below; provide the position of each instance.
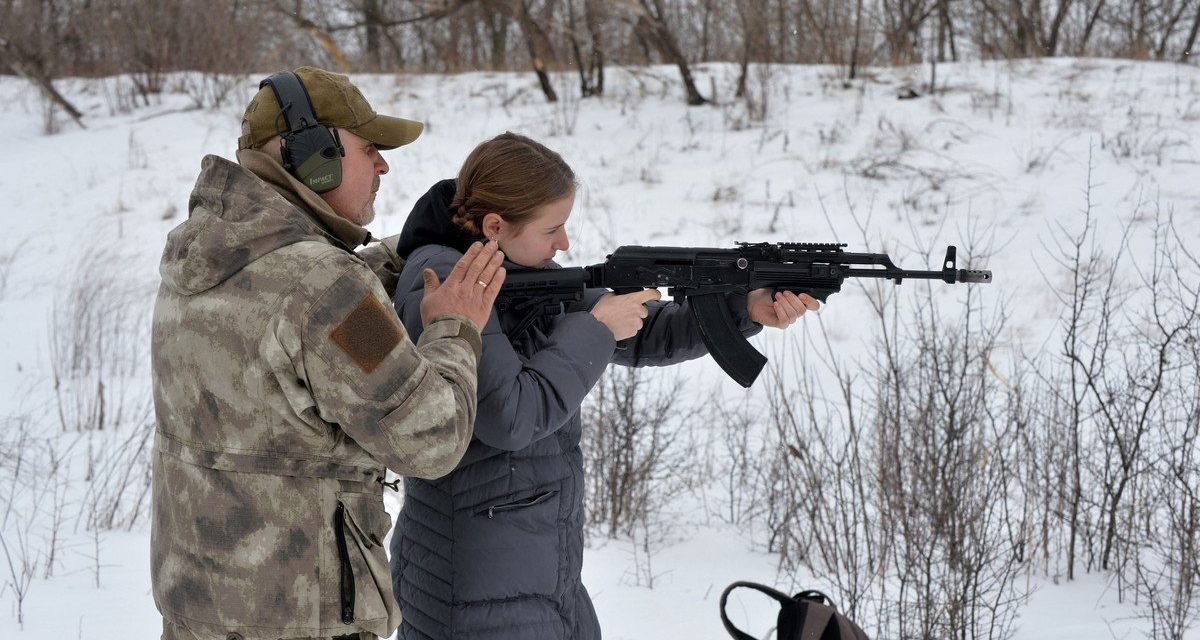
(284, 384)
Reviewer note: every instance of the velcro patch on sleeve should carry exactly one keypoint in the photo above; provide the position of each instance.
(369, 333)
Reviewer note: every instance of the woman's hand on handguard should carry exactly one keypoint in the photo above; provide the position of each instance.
(623, 314)
(781, 310)
(471, 288)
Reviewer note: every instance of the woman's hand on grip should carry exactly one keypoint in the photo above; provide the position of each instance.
(623, 314)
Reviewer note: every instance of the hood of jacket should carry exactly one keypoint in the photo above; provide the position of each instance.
(431, 222)
(238, 213)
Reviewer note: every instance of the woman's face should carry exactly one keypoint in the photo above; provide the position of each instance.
(534, 244)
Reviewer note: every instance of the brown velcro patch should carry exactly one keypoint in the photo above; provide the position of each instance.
(368, 334)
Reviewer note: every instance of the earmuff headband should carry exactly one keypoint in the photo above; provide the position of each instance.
(294, 101)
(311, 151)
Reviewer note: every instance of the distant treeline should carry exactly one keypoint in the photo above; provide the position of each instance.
(47, 39)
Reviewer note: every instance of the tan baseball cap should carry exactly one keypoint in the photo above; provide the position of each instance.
(337, 103)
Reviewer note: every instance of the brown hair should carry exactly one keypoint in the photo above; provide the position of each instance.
(509, 175)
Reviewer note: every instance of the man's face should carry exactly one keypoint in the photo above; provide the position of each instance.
(354, 198)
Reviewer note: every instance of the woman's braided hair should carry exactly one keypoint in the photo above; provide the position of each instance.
(509, 175)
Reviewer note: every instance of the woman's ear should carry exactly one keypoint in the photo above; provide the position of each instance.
(491, 225)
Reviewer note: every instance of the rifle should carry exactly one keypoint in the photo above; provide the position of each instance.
(705, 276)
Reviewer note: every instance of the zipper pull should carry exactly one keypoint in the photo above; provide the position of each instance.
(491, 513)
(394, 485)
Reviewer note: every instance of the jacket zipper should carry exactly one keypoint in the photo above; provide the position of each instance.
(347, 586)
(517, 504)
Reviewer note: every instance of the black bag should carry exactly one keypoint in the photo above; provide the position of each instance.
(808, 615)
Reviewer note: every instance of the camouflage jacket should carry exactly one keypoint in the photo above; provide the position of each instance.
(283, 386)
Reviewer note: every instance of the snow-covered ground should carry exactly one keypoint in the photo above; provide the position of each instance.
(994, 163)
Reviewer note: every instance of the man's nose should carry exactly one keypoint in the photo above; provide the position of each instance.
(381, 165)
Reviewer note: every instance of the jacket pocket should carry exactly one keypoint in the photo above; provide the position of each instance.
(508, 548)
(513, 505)
(364, 587)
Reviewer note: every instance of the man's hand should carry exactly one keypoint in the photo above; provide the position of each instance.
(623, 314)
(780, 312)
(469, 290)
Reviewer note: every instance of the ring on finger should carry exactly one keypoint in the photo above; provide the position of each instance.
(481, 283)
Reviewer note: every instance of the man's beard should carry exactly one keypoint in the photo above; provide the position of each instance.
(367, 212)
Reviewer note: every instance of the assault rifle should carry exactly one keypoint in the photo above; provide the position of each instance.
(703, 277)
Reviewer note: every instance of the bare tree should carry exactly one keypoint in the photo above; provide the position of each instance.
(590, 67)
(297, 13)
(1190, 42)
(755, 44)
(541, 51)
(903, 22)
(33, 40)
(649, 19)
(638, 447)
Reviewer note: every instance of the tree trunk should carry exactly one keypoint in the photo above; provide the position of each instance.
(743, 71)
(1185, 57)
(933, 60)
(320, 34)
(31, 72)
(1091, 24)
(596, 67)
(585, 86)
(372, 17)
(780, 53)
(1160, 52)
(1051, 44)
(540, 51)
(944, 10)
(857, 37)
(497, 26)
(749, 28)
(654, 30)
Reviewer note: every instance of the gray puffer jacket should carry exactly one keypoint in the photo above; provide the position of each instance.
(495, 549)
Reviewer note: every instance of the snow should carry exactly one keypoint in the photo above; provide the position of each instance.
(994, 163)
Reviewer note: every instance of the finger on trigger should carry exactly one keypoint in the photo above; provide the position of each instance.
(650, 294)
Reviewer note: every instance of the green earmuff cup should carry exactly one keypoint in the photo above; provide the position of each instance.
(315, 158)
(312, 152)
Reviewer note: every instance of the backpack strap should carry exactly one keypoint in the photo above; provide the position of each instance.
(784, 600)
(816, 618)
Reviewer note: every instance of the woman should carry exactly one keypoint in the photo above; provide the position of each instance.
(495, 549)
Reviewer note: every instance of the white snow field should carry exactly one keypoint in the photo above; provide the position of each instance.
(994, 163)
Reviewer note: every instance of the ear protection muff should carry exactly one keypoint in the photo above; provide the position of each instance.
(312, 152)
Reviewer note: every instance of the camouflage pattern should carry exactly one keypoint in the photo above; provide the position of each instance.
(272, 437)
